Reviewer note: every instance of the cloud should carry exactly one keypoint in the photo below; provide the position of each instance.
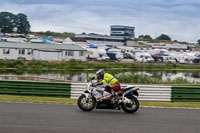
(177, 18)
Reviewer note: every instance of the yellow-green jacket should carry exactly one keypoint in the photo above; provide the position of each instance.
(109, 79)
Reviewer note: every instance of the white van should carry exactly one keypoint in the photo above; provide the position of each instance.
(143, 57)
(169, 59)
(97, 54)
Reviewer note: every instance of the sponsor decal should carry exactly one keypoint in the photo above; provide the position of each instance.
(105, 96)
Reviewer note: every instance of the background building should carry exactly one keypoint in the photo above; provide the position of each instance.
(102, 39)
(119, 35)
(125, 32)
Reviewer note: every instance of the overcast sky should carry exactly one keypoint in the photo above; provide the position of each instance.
(180, 19)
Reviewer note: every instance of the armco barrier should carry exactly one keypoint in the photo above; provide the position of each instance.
(186, 94)
(74, 90)
(35, 88)
(146, 92)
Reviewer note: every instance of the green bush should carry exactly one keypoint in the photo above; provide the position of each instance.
(144, 79)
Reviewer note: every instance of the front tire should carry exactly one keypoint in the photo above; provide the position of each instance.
(86, 104)
(131, 107)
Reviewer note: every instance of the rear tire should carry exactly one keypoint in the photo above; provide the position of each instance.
(128, 108)
(86, 104)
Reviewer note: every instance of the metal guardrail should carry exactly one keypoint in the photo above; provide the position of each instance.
(146, 92)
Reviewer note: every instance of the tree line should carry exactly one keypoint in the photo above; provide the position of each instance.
(161, 37)
(55, 34)
(10, 23)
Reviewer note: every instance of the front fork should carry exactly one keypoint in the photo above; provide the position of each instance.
(87, 96)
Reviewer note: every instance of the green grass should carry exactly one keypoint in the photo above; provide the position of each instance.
(34, 99)
(171, 104)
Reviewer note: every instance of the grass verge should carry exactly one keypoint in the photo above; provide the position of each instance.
(171, 104)
(35, 99)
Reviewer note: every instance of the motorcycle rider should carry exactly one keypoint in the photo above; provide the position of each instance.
(112, 84)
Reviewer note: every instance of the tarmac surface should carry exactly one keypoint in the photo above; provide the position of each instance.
(60, 118)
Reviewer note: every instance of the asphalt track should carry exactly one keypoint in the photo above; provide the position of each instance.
(58, 118)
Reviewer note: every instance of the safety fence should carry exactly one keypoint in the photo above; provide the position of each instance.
(74, 90)
(146, 92)
(35, 88)
(185, 94)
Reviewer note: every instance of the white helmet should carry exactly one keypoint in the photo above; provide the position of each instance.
(100, 73)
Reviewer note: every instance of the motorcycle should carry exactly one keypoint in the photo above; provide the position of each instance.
(101, 99)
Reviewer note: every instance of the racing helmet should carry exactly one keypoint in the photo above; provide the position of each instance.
(100, 73)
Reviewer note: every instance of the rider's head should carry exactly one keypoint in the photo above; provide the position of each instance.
(100, 73)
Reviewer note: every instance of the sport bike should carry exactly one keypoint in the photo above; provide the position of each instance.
(92, 97)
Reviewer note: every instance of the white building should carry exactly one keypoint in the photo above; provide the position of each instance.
(47, 52)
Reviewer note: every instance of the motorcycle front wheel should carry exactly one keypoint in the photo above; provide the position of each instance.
(131, 107)
(86, 104)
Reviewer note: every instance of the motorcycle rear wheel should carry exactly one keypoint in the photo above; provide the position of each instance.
(86, 104)
(133, 107)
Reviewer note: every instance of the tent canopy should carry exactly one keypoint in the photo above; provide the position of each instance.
(92, 46)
